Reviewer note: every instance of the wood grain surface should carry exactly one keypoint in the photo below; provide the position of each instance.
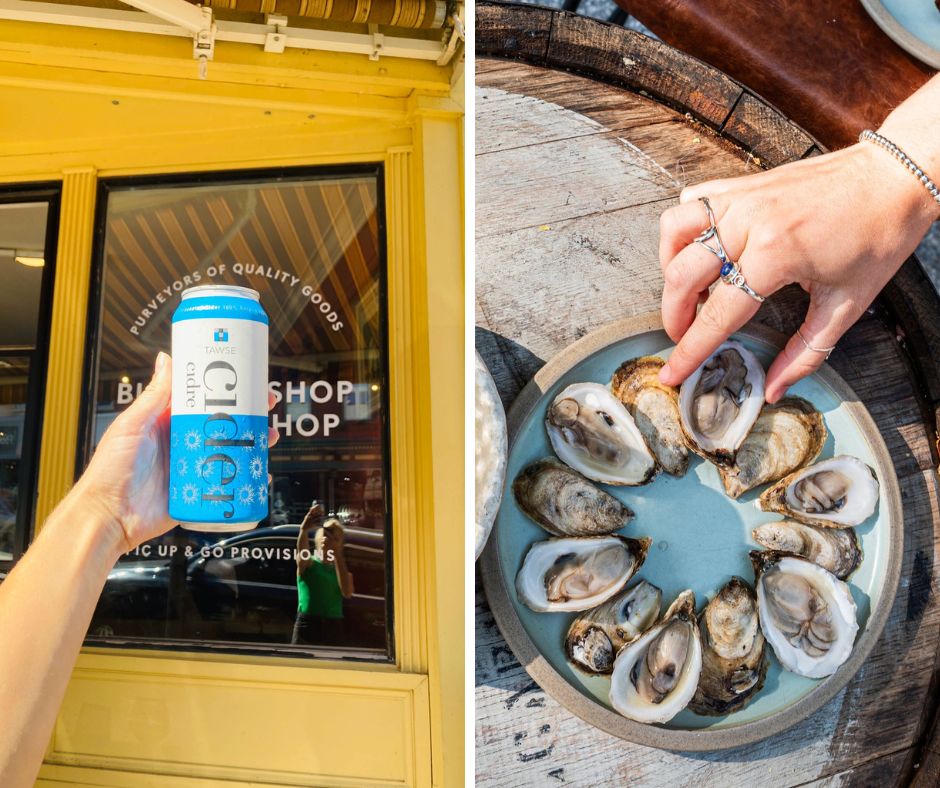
(572, 174)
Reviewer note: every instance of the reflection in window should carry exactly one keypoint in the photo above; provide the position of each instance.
(22, 267)
(312, 248)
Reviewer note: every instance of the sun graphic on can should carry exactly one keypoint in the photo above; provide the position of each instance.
(193, 440)
(200, 466)
(190, 493)
(263, 441)
(262, 493)
(256, 467)
(246, 494)
(181, 466)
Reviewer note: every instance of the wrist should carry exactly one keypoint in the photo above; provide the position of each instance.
(93, 527)
(908, 206)
(925, 155)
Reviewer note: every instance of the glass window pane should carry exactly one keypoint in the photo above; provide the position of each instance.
(22, 242)
(312, 249)
(14, 374)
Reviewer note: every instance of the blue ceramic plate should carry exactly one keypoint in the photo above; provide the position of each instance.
(700, 539)
(914, 25)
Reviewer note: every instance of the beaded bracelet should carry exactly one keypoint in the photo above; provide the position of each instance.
(902, 157)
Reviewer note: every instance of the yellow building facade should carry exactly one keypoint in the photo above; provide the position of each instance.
(81, 106)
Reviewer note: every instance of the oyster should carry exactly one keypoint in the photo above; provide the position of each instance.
(734, 662)
(655, 409)
(834, 549)
(806, 613)
(592, 431)
(833, 493)
(564, 503)
(720, 401)
(577, 573)
(656, 675)
(596, 636)
(787, 435)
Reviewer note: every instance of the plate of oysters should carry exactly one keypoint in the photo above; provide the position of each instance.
(691, 568)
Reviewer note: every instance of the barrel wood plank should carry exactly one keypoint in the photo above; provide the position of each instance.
(549, 270)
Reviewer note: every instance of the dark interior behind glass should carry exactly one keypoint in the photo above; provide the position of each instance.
(312, 245)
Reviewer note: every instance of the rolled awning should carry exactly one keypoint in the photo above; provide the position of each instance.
(394, 13)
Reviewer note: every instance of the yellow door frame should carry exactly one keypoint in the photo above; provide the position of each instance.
(127, 104)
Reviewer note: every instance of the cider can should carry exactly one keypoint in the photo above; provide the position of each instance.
(218, 473)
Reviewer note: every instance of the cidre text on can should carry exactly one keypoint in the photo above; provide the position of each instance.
(219, 410)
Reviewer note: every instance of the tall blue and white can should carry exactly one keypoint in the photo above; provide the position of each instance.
(219, 410)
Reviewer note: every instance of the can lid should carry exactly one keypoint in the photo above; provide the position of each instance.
(232, 291)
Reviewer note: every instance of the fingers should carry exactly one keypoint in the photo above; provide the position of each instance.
(153, 400)
(273, 437)
(272, 399)
(726, 310)
(678, 227)
(827, 319)
(687, 277)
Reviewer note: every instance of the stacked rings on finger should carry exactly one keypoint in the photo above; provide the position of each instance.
(730, 271)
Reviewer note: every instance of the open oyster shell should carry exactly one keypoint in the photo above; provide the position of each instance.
(564, 503)
(835, 493)
(787, 435)
(655, 409)
(595, 637)
(577, 573)
(806, 613)
(734, 663)
(656, 675)
(834, 549)
(592, 432)
(720, 401)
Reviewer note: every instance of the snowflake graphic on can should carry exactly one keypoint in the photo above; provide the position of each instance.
(262, 493)
(190, 493)
(256, 467)
(214, 490)
(176, 440)
(193, 440)
(181, 466)
(263, 440)
(200, 466)
(248, 435)
(173, 495)
(246, 494)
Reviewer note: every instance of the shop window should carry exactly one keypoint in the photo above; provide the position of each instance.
(27, 247)
(311, 243)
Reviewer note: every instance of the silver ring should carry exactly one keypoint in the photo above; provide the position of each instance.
(826, 350)
(732, 276)
(712, 232)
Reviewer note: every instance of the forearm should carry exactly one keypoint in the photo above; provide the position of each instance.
(46, 605)
(913, 127)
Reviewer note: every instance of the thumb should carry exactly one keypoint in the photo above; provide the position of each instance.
(827, 319)
(154, 399)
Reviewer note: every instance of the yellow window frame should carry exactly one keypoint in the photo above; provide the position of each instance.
(178, 718)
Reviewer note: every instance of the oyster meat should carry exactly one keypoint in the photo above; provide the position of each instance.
(655, 409)
(806, 613)
(720, 401)
(656, 675)
(577, 573)
(834, 549)
(592, 432)
(596, 636)
(734, 662)
(564, 503)
(787, 435)
(835, 493)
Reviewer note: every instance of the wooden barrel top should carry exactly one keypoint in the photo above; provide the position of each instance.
(585, 133)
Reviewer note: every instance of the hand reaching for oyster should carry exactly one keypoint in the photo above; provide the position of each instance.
(838, 225)
(713, 662)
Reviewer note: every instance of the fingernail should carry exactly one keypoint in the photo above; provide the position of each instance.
(160, 363)
(665, 374)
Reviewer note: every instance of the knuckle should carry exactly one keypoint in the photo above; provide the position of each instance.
(667, 221)
(674, 276)
(712, 316)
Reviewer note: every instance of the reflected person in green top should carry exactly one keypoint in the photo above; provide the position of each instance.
(323, 581)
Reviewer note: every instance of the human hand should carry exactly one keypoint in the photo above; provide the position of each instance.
(313, 517)
(839, 225)
(127, 477)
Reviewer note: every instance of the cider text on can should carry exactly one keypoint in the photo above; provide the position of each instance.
(219, 410)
